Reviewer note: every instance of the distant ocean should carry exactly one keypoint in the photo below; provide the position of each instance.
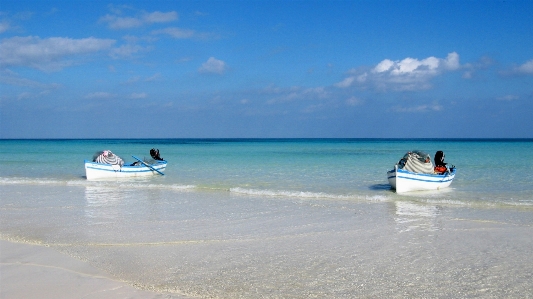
(280, 218)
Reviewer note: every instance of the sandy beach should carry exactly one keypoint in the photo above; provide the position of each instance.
(35, 271)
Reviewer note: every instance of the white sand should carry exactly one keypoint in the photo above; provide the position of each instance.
(33, 271)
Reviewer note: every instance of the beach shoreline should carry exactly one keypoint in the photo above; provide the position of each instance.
(37, 271)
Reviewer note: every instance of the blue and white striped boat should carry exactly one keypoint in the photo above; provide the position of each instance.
(107, 165)
(415, 172)
(95, 170)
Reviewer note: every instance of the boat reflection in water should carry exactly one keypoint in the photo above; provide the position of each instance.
(411, 216)
(103, 202)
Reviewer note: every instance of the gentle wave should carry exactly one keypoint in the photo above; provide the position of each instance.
(307, 194)
(479, 203)
(428, 197)
(102, 183)
(283, 193)
(29, 181)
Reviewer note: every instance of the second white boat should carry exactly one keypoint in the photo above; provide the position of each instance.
(415, 172)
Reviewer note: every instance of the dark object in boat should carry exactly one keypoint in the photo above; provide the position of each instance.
(155, 154)
(439, 159)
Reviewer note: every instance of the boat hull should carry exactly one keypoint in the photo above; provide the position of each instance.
(406, 181)
(95, 170)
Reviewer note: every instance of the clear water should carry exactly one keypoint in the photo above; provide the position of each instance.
(302, 218)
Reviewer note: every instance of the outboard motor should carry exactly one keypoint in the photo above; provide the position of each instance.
(439, 159)
(155, 154)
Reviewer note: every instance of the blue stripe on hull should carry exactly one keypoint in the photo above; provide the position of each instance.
(427, 181)
(144, 169)
(399, 179)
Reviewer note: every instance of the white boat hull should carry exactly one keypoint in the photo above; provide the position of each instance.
(405, 181)
(95, 170)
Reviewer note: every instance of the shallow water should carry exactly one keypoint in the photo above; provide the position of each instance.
(281, 218)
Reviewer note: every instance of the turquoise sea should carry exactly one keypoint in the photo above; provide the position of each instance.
(281, 218)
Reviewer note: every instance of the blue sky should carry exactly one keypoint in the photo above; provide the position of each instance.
(200, 69)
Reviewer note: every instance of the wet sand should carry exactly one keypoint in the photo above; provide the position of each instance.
(35, 271)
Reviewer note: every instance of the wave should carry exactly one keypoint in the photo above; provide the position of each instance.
(448, 197)
(307, 194)
(29, 181)
(282, 193)
(130, 184)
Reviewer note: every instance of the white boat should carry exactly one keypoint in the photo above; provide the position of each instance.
(107, 165)
(415, 172)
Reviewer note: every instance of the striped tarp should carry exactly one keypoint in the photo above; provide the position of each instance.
(107, 157)
(414, 164)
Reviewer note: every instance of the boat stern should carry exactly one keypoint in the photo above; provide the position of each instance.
(391, 177)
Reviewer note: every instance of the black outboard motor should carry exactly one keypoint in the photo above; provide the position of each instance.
(439, 159)
(155, 154)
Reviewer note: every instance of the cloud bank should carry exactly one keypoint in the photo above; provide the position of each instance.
(48, 54)
(177, 33)
(115, 21)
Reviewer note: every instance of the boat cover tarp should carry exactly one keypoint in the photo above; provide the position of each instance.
(107, 157)
(417, 161)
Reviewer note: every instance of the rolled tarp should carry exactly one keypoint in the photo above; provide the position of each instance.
(418, 163)
(107, 157)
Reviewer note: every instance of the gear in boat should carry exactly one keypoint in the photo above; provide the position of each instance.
(108, 157)
(420, 162)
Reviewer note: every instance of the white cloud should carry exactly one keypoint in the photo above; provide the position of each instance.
(383, 66)
(99, 95)
(131, 39)
(25, 95)
(119, 22)
(47, 54)
(141, 95)
(419, 109)
(346, 82)
(353, 101)
(137, 79)
(160, 17)
(282, 95)
(526, 68)
(4, 26)
(313, 108)
(102, 95)
(468, 74)
(184, 59)
(127, 51)
(116, 22)
(471, 69)
(213, 65)
(155, 77)
(452, 61)
(176, 32)
(132, 80)
(11, 78)
(508, 98)
(30, 95)
(407, 74)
